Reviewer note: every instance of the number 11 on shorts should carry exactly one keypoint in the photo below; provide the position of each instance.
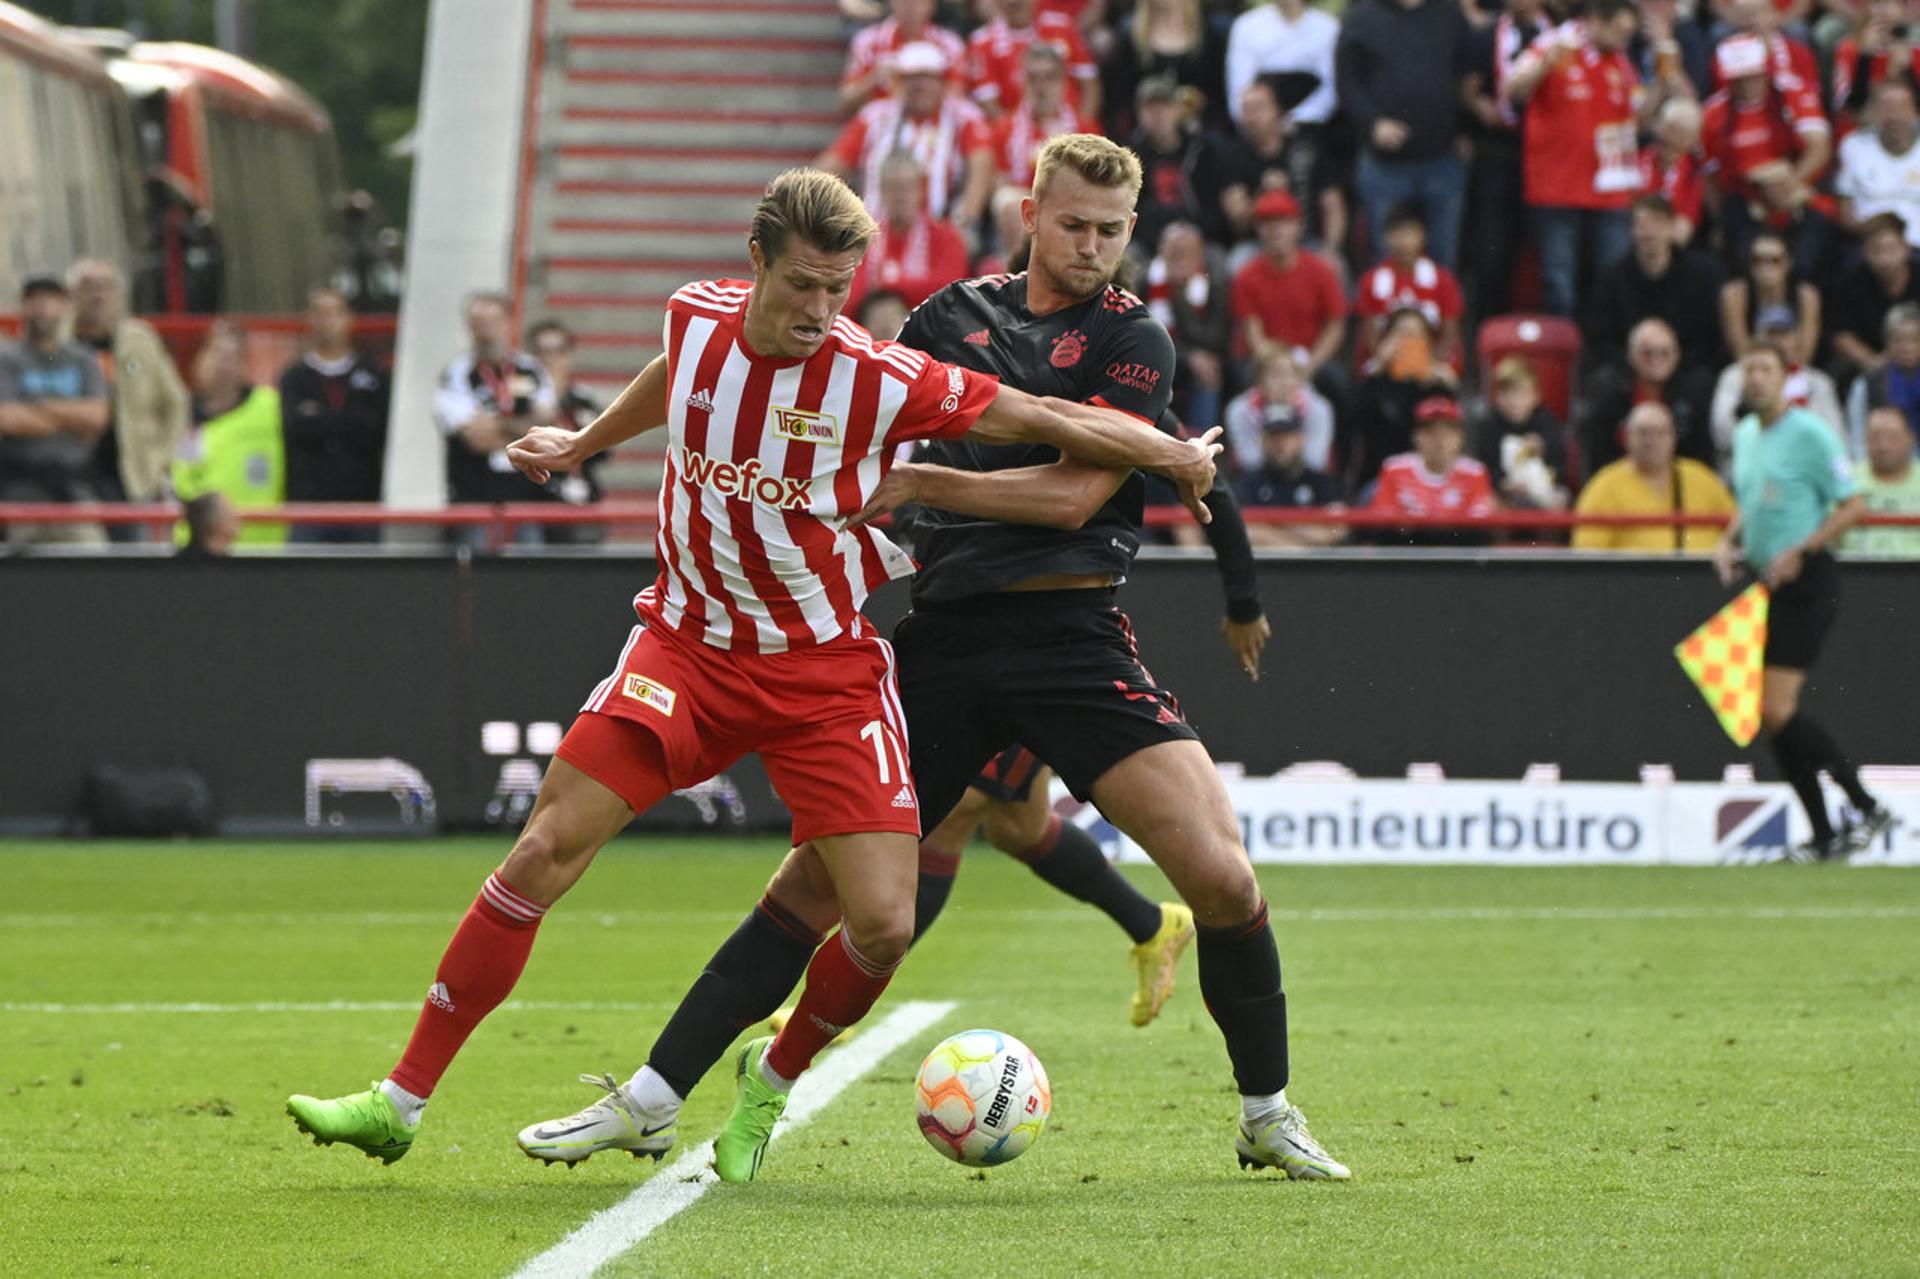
(884, 742)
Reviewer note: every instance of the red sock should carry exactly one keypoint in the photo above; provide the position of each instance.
(477, 972)
(842, 984)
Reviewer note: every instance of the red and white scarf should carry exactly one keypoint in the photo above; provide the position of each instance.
(1160, 292)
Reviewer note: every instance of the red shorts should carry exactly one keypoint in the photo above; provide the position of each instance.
(825, 721)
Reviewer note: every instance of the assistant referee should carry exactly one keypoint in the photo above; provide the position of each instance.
(1796, 495)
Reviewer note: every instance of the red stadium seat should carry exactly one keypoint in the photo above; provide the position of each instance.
(1547, 342)
(1552, 346)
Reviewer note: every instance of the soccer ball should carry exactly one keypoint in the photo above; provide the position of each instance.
(982, 1097)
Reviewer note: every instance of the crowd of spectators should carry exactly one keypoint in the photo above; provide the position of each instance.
(1334, 205)
(93, 410)
(1337, 198)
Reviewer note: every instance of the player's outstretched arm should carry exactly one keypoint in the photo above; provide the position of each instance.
(1103, 437)
(638, 409)
(1064, 494)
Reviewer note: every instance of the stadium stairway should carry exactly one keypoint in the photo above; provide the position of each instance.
(657, 125)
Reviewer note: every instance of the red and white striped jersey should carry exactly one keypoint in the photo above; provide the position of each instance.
(873, 47)
(764, 458)
(1018, 137)
(941, 143)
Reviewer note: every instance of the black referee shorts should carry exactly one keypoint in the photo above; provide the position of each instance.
(1055, 671)
(1800, 614)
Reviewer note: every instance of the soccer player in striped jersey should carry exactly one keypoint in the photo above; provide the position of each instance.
(782, 419)
(1014, 638)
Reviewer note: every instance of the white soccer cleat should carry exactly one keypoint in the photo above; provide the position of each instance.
(1860, 836)
(1282, 1141)
(615, 1122)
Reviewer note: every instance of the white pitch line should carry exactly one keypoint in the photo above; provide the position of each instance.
(327, 1006)
(1364, 914)
(679, 1185)
(343, 919)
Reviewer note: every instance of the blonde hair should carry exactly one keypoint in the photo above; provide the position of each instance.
(1143, 26)
(1514, 371)
(1099, 162)
(817, 207)
(1277, 357)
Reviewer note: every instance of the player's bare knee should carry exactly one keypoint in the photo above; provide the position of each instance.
(1775, 715)
(882, 937)
(542, 864)
(1227, 894)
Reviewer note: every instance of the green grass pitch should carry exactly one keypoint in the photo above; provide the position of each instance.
(1591, 1072)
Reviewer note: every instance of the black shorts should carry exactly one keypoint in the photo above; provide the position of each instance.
(1802, 612)
(1055, 671)
(1008, 776)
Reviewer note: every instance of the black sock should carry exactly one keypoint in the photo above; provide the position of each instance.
(1803, 774)
(1069, 859)
(746, 981)
(937, 870)
(1240, 981)
(1813, 741)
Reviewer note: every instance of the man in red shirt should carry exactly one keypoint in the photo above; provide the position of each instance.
(1580, 167)
(1789, 58)
(1436, 479)
(946, 133)
(1289, 298)
(1766, 142)
(870, 55)
(1407, 277)
(1043, 113)
(913, 253)
(995, 53)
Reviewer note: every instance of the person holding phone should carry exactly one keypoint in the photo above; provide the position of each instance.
(1881, 49)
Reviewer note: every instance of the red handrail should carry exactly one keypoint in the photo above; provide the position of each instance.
(504, 518)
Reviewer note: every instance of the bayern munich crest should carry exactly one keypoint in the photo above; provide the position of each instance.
(1068, 348)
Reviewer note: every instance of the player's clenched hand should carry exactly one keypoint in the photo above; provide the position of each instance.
(1247, 640)
(544, 450)
(897, 489)
(1194, 479)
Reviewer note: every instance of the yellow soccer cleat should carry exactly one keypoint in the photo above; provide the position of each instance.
(1156, 958)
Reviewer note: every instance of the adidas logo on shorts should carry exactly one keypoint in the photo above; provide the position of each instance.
(905, 798)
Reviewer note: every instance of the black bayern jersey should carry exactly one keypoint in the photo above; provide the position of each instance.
(1107, 350)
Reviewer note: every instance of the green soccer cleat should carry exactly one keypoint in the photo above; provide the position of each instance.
(366, 1121)
(757, 1106)
(1282, 1141)
(1155, 960)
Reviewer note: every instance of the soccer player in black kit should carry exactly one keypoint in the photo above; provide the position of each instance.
(1014, 638)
